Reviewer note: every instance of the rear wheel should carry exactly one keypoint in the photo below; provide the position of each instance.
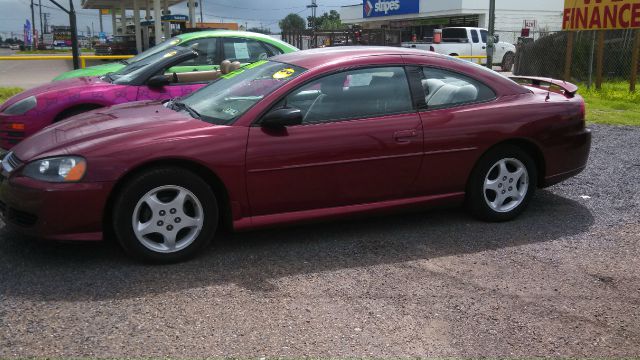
(502, 184)
(165, 215)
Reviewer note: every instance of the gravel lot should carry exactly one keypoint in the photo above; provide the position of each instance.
(563, 280)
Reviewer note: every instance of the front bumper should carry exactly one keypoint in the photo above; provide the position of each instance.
(8, 136)
(68, 212)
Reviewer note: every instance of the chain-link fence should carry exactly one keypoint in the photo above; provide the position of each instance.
(546, 56)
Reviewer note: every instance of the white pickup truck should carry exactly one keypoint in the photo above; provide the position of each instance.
(469, 41)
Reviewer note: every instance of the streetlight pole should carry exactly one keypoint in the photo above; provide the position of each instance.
(33, 28)
(491, 36)
(74, 32)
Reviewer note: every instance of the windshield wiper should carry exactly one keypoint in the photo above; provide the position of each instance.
(177, 105)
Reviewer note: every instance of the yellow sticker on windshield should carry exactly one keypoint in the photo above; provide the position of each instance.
(170, 54)
(284, 73)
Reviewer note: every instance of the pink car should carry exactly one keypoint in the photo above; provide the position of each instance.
(149, 79)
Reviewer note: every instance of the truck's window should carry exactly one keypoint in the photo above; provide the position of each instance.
(444, 88)
(484, 34)
(458, 35)
(474, 36)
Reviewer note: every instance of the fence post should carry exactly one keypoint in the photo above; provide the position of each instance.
(635, 61)
(568, 57)
(600, 59)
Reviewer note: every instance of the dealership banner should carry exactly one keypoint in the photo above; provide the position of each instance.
(601, 14)
(376, 8)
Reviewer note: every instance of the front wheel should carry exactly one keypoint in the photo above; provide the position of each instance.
(165, 215)
(502, 184)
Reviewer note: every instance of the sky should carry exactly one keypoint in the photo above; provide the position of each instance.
(13, 13)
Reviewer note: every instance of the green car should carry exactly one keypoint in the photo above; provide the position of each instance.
(213, 47)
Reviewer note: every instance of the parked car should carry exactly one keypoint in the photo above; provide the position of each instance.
(121, 45)
(213, 46)
(469, 41)
(316, 134)
(148, 79)
(14, 47)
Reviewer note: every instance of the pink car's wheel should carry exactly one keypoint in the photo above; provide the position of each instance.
(165, 215)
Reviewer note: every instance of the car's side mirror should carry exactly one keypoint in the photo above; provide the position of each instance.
(281, 118)
(157, 81)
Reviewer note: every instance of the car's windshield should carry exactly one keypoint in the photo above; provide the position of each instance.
(129, 72)
(228, 98)
(156, 49)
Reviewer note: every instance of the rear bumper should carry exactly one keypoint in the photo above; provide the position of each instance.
(571, 159)
(54, 211)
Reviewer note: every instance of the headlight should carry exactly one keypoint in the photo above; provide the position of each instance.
(21, 106)
(58, 169)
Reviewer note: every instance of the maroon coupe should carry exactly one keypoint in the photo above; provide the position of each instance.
(316, 134)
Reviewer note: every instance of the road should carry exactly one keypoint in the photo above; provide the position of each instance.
(27, 74)
(562, 280)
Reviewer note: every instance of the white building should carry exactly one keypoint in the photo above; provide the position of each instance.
(420, 17)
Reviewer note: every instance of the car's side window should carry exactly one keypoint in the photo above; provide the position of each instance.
(354, 94)
(444, 88)
(483, 34)
(207, 49)
(474, 36)
(244, 50)
(272, 49)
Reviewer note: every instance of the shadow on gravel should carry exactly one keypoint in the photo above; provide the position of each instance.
(51, 271)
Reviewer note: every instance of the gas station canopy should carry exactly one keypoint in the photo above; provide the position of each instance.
(128, 4)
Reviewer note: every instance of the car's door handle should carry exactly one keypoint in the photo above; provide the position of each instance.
(404, 136)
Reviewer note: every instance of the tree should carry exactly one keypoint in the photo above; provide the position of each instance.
(291, 23)
(328, 21)
(260, 30)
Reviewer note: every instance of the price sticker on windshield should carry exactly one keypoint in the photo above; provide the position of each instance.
(283, 74)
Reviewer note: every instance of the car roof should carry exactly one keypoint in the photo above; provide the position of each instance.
(237, 34)
(317, 57)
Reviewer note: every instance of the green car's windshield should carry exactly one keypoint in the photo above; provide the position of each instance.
(129, 72)
(154, 50)
(228, 98)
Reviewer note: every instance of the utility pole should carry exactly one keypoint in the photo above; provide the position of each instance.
(46, 21)
(33, 28)
(41, 25)
(201, 10)
(100, 17)
(74, 31)
(313, 8)
(491, 37)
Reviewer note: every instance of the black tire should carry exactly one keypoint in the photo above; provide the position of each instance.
(507, 61)
(135, 189)
(477, 199)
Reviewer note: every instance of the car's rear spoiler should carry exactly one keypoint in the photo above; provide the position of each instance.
(569, 89)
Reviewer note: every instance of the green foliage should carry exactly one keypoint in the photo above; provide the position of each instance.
(328, 21)
(292, 22)
(613, 105)
(7, 92)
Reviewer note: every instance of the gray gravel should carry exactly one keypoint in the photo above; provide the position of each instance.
(562, 280)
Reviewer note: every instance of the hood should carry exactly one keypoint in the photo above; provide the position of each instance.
(97, 70)
(75, 83)
(119, 128)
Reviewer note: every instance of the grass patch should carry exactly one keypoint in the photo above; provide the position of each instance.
(7, 92)
(613, 105)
